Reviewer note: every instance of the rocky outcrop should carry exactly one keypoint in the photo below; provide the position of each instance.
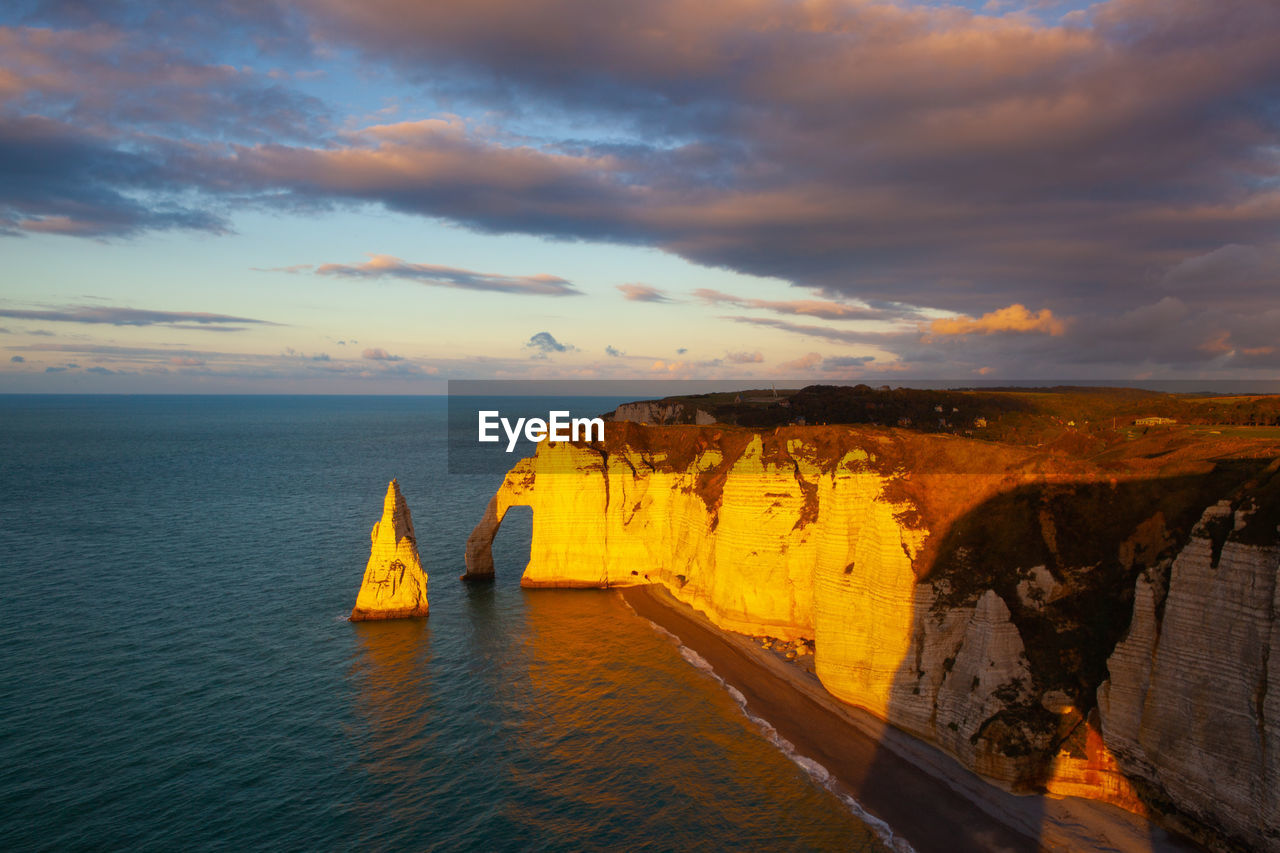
(969, 593)
(659, 412)
(395, 585)
(1192, 706)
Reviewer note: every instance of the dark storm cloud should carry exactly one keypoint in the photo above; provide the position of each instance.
(885, 151)
(93, 122)
(55, 178)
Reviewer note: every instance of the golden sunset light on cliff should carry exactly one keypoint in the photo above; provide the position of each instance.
(784, 425)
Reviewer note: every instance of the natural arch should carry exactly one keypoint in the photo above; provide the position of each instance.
(479, 556)
(512, 551)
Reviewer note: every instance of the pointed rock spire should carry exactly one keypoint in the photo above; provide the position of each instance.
(395, 585)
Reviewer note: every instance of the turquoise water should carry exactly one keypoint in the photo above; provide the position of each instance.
(178, 672)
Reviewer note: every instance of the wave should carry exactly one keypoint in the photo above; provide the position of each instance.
(820, 775)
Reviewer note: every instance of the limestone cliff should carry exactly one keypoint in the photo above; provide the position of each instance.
(1192, 705)
(657, 412)
(395, 585)
(969, 593)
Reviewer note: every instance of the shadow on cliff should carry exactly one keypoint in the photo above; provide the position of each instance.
(1063, 557)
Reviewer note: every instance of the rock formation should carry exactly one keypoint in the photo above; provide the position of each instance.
(969, 593)
(395, 585)
(1193, 702)
(657, 412)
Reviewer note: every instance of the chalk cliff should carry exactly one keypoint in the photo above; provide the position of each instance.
(395, 585)
(970, 593)
(1192, 705)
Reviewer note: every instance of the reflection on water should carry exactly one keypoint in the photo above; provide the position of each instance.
(570, 723)
(394, 677)
(391, 731)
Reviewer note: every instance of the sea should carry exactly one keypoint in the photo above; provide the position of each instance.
(177, 671)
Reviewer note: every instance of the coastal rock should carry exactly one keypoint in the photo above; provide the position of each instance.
(948, 589)
(787, 538)
(1193, 702)
(1038, 588)
(395, 585)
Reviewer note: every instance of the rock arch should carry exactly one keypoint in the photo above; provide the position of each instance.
(479, 555)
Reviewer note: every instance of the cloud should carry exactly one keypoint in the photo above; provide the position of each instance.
(17, 359)
(637, 292)
(1015, 154)
(101, 371)
(385, 266)
(841, 362)
(86, 314)
(545, 344)
(805, 307)
(848, 336)
(880, 153)
(1015, 318)
(187, 361)
(57, 178)
(682, 350)
(379, 354)
(54, 369)
(612, 352)
(804, 362)
(744, 357)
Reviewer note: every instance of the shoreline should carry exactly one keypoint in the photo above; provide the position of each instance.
(923, 794)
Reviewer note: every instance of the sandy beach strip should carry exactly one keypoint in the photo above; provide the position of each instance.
(927, 797)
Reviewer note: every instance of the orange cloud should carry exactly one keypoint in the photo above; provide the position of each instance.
(1015, 318)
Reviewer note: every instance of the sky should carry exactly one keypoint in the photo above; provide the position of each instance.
(377, 196)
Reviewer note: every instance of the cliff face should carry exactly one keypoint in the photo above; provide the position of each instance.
(394, 586)
(1193, 700)
(972, 594)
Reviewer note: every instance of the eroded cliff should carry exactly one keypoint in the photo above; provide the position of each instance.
(970, 593)
(1192, 703)
(394, 585)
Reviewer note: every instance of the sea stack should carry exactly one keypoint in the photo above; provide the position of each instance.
(395, 586)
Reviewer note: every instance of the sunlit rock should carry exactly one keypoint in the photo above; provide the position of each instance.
(972, 594)
(395, 585)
